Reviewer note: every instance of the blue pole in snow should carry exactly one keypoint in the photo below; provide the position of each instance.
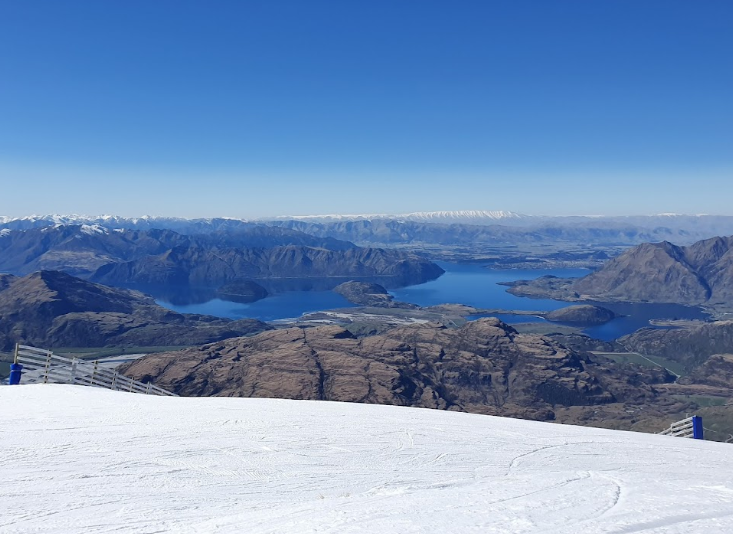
(697, 427)
(16, 370)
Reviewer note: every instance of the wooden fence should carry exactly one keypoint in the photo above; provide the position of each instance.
(686, 428)
(46, 367)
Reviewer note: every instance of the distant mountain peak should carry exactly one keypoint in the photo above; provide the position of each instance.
(458, 216)
(92, 229)
(466, 214)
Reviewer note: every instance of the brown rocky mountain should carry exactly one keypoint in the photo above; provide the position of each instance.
(78, 250)
(482, 367)
(121, 256)
(203, 266)
(53, 309)
(701, 273)
(82, 249)
(716, 371)
(704, 351)
(689, 346)
(658, 272)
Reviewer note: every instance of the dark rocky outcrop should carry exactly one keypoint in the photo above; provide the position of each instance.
(547, 286)
(6, 280)
(583, 315)
(483, 367)
(241, 291)
(583, 343)
(369, 294)
(53, 309)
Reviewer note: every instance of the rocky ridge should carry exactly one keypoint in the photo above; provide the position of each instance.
(652, 272)
(689, 346)
(120, 257)
(482, 367)
(53, 309)
(196, 266)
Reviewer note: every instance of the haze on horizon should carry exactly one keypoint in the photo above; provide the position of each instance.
(254, 109)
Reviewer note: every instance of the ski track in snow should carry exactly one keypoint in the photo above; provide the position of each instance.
(77, 459)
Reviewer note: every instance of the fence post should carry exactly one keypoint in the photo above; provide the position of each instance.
(697, 427)
(114, 381)
(94, 372)
(74, 364)
(147, 388)
(48, 366)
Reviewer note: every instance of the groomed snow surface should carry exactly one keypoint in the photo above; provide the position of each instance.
(78, 459)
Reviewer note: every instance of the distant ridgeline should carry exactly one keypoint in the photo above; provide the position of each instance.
(443, 227)
(121, 256)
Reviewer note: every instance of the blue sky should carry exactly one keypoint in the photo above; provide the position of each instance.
(255, 108)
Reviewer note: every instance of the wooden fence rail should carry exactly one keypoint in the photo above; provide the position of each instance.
(51, 368)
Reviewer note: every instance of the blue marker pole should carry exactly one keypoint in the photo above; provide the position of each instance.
(16, 370)
(697, 427)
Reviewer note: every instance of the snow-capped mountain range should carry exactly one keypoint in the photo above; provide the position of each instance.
(440, 227)
(436, 217)
(442, 217)
(110, 221)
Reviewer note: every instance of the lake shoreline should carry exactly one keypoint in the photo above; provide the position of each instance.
(468, 285)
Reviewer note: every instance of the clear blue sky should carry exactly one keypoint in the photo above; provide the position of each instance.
(252, 108)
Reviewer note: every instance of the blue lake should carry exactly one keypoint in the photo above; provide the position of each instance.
(470, 284)
(477, 286)
(280, 306)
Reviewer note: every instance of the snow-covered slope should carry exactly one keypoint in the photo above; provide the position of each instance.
(77, 459)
